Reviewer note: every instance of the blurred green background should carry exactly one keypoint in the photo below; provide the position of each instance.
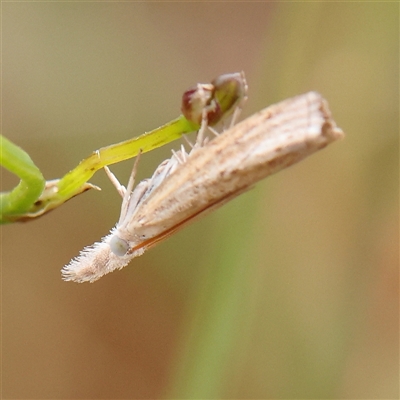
(289, 291)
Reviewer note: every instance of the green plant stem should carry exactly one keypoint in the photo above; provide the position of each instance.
(32, 183)
(122, 151)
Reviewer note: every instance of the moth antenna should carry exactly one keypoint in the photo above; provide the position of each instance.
(114, 180)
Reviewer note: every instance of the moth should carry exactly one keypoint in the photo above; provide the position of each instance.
(192, 183)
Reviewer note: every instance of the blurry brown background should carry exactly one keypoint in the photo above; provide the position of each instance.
(290, 291)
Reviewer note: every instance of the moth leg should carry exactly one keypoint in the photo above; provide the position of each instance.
(188, 141)
(203, 128)
(131, 181)
(129, 188)
(239, 107)
(120, 188)
(184, 153)
(235, 115)
(177, 157)
(213, 131)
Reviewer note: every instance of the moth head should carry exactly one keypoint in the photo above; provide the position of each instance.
(119, 246)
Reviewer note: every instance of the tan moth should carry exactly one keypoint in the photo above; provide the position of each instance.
(189, 184)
